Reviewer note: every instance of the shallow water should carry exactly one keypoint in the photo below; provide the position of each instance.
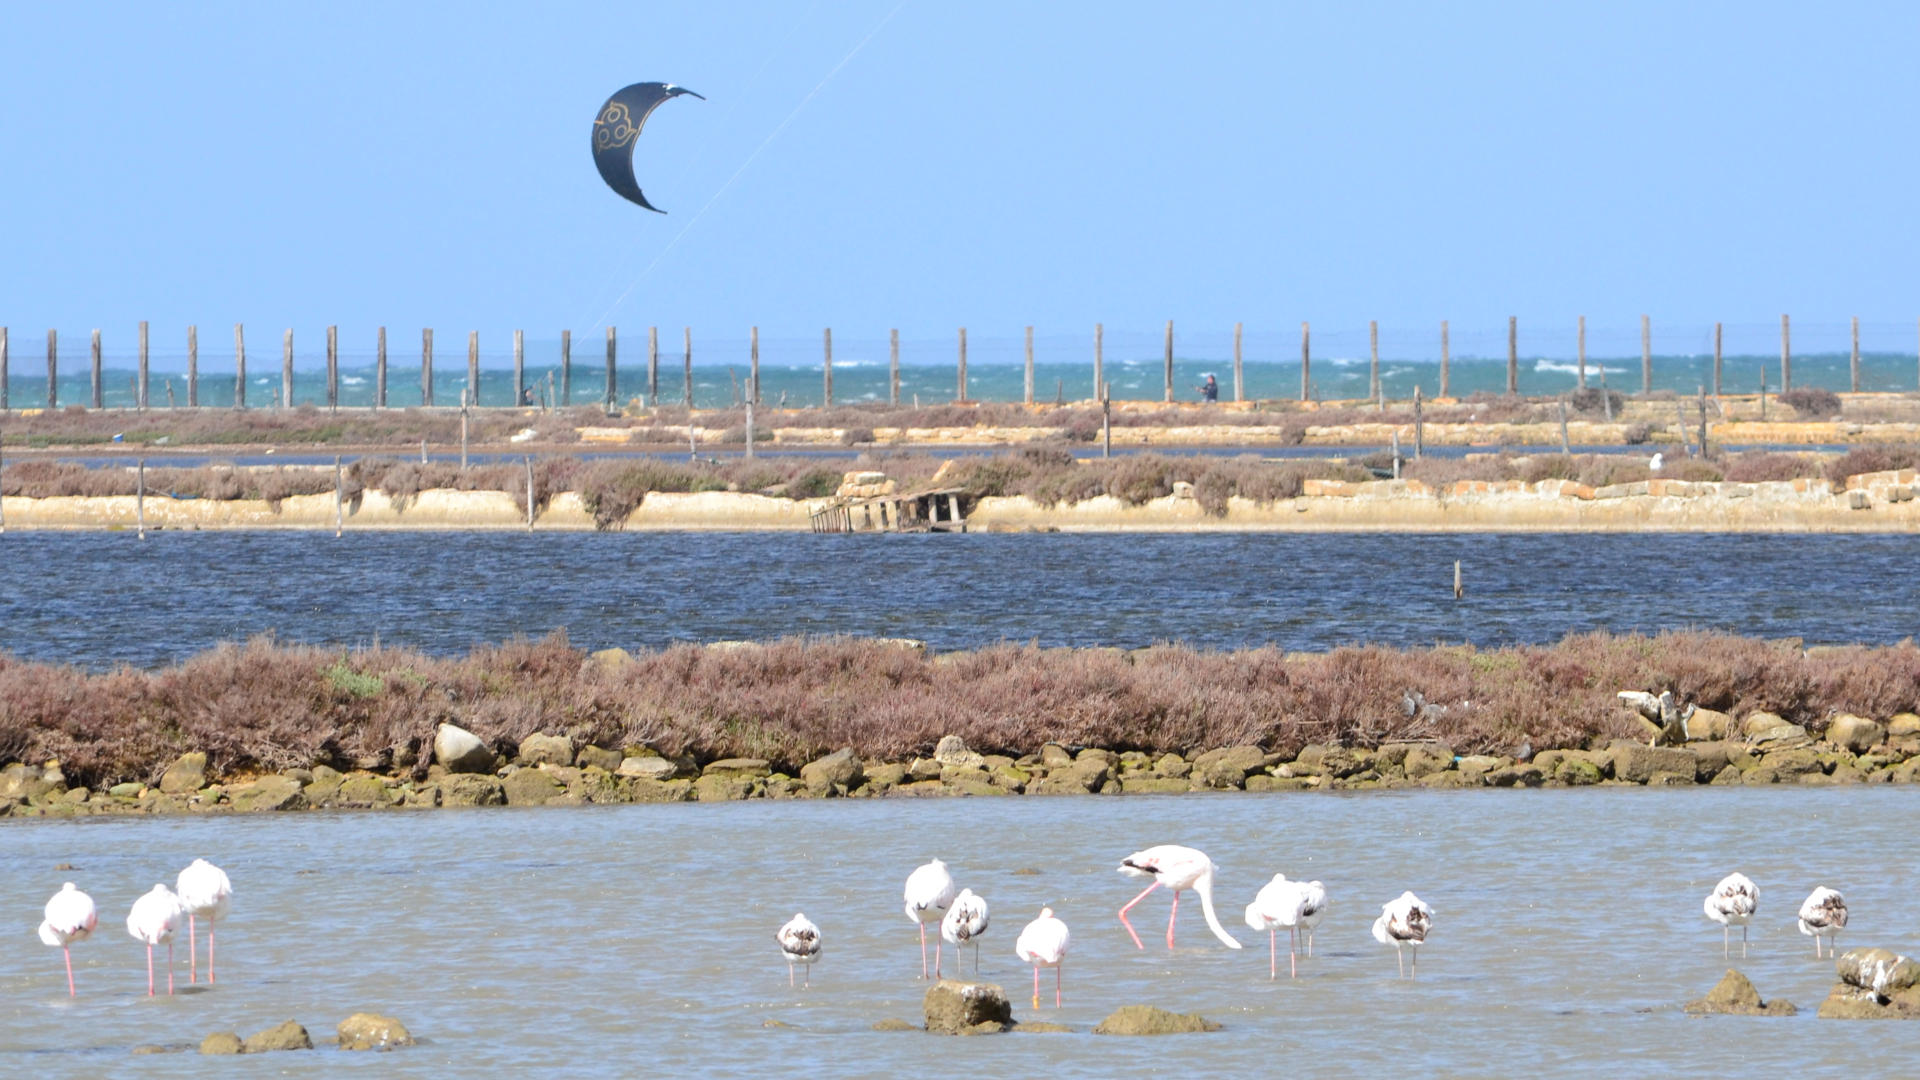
(612, 941)
(103, 598)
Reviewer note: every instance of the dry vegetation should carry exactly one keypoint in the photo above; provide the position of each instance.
(263, 706)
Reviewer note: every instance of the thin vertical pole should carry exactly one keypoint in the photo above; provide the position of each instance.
(963, 365)
(473, 368)
(1716, 359)
(1646, 355)
(1373, 364)
(1106, 420)
(53, 368)
(286, 369)
(1419, 424)
(566, 367)
(141, 398)
(1239, 385)
(1169, 365)
(1786, 355)
(98, 390)
(1513, 354)
(1029, 383)
(1445, 359)
(753, 366)
(426, 367)
(653, 368)
(826, 364)
(1099, 358)
(519, 368)
(1853, 363)
(687, 370)
(1306, 361)
(1580, 375)
(380, 369)
(333, 369)
(751, 391)
(193, 367)
(239, 366)
(613, 381)
(893, 367)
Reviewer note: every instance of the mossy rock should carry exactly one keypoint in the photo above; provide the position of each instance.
(1148, 1020)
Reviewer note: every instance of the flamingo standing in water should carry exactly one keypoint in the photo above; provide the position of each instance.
(800, 943)
(1179, 869)
(929, 894)
(1043, 943)
(1824, 914)
(204, 891)
(153, 920)
(70, 916)
(1404, 921)
(965, 921)
(1732, 903)
(1296, 905)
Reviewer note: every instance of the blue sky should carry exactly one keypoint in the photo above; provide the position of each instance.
(988, 164)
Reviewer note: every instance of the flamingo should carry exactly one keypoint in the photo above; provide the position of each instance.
(800, 943)
(1823, 914)
(204, 890)
(70, 916)
(929, 894)
(153, 920)
(965, 921)
(1043, 943)
(1179, 869)
(1404, 921)
(1296, 905)
(1732, 903)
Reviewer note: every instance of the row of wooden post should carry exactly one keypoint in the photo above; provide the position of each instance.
(1375, 390)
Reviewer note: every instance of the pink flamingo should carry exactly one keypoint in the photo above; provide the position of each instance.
(70, 917)
(1179, 869)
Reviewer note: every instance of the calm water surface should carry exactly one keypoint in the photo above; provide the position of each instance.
(103, 598)
(618, 941)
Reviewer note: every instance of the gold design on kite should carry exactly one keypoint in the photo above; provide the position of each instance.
(615, 127)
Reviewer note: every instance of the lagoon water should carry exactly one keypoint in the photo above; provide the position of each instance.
(622, 941)
(103, 598)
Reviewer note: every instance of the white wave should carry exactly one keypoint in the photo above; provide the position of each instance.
(353, 380)
(1571, 367)
(1346, 361)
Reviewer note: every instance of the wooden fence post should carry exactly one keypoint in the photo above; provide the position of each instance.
(687, 370)
(653, 367)
(1099, 358)
(1374, 389)
(193, 367)
(963, 365)
(1646, 355)
(1716, 359)
(426, 367)
(1786, 355)
(286, 369)
(519, 368)
(1853, 363)
(239, 367)
(473, 368)
(1306, 361)
(826, 364)
(1580, 373)
(1169, 361)
(98, 389)
(1028, 398)
(752, 392)
(140, 401)
(893, 367)
(613, 381)
(1106, 420)
(53, 369)
(1446, 358)
(1513, 355)
(1419, 424)
(566, 367)
(380, 369)
(1239, 386)
(333, 369)
(753, 366)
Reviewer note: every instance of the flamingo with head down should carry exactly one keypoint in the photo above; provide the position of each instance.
(1179, 869)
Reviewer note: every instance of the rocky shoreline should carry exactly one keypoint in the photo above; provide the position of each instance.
(550, 770)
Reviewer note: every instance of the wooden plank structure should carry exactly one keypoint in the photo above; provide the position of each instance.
(920, 511)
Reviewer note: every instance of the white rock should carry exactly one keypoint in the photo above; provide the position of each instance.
(1640, 701)
(648, 768)
(459, 750)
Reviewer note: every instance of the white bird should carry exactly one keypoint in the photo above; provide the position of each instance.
(1179, 869)
(800, 943)
(1655, 462)
(1823, 914)
(1043, 943)
(1732, 903)
(153, 920)
(965, 921)
(205, 892)
(69, 917)
(929, 894)
(1404, 921)
(1296, 905)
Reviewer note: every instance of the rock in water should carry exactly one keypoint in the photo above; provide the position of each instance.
(546, 749)
(372, 1031)
(461, 751)
(185, 776)
(1734, 995)
(287, 1036)
(1875, 984)
(1147, 1020)
(952, 752)
(959, 1008)
(222, 1042)
(838, 771)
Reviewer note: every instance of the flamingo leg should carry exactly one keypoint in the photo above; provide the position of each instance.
(1743, 941)
(210, 930)
(1129, 907)
(149, 969)
(1726, 941)
(809, 984)
(923, 950)
(1309, 944)
(1414, 967)
(938, 945)
(1036, 986)
(1273, 953)
(1056, 982)
(789, 973)
(193, 952)
(976, 956)
(69, 955)
(1293, 952)
(169, 967)
(1170, 918)
(1400, 959)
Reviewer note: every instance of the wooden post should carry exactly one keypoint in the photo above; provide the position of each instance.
(1458, 590)
(1306, 362)
(1374, 389)
(566, 367)
(613, 379)
(339, 498)
(1716, 359)
(1446, 385)
(1786, 355)
(1419, 424)
(963, 365)
(426, 367)
(529, 464)
(140, 498)
(653, 367)
(1169, 361)
(687, 370)
(53, 369)
(1565, 446)
(1099, 358)
(1029, 384)
(239, 367)
(286, 369)
(519, 368)
(1513, 355)
(1106, 420)
(333, 369)
(1646, 355)
(1580, 374)
(473, 368)
(380, 369)
(826, 364)
(140, 399)
(463, 435)
(193, 367)
(1853, 363)
(753, 366)
(750, 397)
(893, 367)
(1239, 384)
(98, 389)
